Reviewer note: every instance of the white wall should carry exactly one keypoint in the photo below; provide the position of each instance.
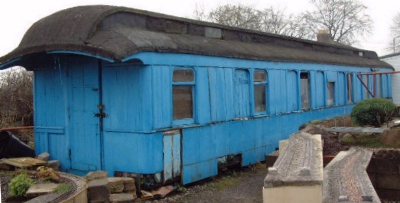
(395, 62)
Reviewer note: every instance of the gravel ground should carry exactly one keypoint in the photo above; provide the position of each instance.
(240, 185)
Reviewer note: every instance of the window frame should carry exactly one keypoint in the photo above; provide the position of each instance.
(192, 84)
(350, 88)
(262, 83)
(308, 90)
(330, 95)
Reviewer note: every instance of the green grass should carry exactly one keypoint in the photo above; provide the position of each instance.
(365, 140)
(63, 188)
(226, 182)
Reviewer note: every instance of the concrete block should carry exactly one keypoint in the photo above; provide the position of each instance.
(293, 194)
(115, 184)
(44, 156)
(121, 198)
(98, 190)
(54, 164)
(296, 176)
(93, 175)
(282, 146)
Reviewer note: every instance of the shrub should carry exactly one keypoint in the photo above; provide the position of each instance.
(20, 184)
(373, 112)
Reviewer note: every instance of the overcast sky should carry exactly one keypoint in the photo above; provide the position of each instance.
(16, 16)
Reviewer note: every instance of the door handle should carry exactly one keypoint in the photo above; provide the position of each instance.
(100, 115)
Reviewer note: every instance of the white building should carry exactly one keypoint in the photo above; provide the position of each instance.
(394, 60)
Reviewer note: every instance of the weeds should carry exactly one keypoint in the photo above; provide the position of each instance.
(20, 184)
(63, 188)
(365, 140)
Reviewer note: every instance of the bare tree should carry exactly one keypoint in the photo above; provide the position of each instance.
(269, 20)
(344, 19)
(395, 35)
(240, 15)
(16, 96)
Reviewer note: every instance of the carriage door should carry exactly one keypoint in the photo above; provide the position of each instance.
(84, 114)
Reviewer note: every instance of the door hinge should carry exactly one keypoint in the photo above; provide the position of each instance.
(69, 154)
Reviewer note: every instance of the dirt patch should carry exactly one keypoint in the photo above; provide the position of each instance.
(391, 137)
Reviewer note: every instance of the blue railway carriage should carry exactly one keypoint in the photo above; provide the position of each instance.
(125, 90)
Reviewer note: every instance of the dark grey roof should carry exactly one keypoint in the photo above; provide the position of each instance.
(118, 32)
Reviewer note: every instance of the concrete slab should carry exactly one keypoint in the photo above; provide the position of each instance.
(346, 179)
(24, 162)
(121, 198)
(355, 130)
(40, 189)
(297, 174)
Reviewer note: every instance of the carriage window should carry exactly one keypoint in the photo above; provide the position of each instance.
(260, 90)
(331, 94)
(305, 90)
(350, 88)
(182, 93)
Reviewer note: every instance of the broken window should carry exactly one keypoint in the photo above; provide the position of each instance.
(331, 94)
(305, 90)
(349, 88)
(182, 93)
(260, 90)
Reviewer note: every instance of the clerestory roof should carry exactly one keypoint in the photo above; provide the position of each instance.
(114, 33)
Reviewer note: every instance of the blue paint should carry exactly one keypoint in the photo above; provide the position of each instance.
(81, 54)
(137, 101)
(9, 63)
(241, 93)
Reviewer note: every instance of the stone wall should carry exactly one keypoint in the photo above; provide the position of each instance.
(384, 172)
